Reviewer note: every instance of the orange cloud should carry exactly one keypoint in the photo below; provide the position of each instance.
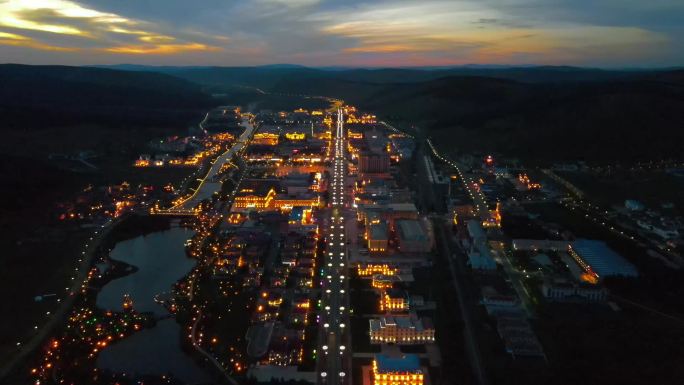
(106, 32)
(436, 30)
(24, 41)
(161, 49)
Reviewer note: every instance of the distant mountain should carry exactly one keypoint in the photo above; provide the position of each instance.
(64, 111)
(152, 68)
(619, 120)
(539, 112)
(142, 68)
(62, 95)
(259, 77)
(269, 76)
(266, 77)
(622, 117)
(281, 66)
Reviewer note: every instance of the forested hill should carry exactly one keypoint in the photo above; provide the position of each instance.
(621, 119)
(546, 113)
(62, 95)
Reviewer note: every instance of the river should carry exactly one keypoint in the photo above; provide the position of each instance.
(161, 261)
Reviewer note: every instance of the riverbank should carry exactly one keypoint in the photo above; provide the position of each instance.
(96, 271)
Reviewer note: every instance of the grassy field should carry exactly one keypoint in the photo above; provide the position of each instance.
(595, 345)
(652, 187)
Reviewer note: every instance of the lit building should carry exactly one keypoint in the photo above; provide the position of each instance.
(267, 135)
(373, 162)
(378, 237)
(524, 183)
(402, 330)
(381, 281)
(348, 110)
(223, 137)
(262, 153)
(299, 200)
(236, 218)
(394, 300)
(564, 290)
(597, 259)
(368, 119)
(354, 134)
(404, 370)
(295, 135)
(300, 216)
(259, 197)
(143, 161)
(312, 152)
(493, 219)
(371, 269)
(488, 162)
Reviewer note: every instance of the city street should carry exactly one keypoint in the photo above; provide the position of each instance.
(464, 294)
(334, 348)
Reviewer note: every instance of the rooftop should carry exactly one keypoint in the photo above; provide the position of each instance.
(378, 231)
(475, 230)
(602, 259)
(411, 230)
(259, 187)
(402, 322)
(396, 293)
(405, 363)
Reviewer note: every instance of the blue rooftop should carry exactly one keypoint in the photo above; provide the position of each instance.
(405, 363)
(604, 261)
(296, 214)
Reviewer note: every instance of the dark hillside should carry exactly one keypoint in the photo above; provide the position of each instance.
(62, 96)
(604, 121)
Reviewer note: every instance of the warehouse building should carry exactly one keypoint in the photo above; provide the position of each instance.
(596, 258)
(413, 236)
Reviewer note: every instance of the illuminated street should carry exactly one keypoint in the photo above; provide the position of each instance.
(333, 366)
(342, 193)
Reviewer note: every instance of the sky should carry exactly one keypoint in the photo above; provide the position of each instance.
(598, 33)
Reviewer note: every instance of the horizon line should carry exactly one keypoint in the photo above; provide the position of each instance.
(481, 66)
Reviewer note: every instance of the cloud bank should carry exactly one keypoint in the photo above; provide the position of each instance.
(344, 32)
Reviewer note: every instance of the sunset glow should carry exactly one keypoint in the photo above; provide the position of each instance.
(362, 33)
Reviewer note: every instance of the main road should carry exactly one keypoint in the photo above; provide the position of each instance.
(334, 364)
(469, 183)
(459, 272)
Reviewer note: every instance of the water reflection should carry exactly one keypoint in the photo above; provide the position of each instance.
(161, 261)
(153, 351)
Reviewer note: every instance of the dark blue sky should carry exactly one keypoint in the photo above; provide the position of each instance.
(609, 33)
